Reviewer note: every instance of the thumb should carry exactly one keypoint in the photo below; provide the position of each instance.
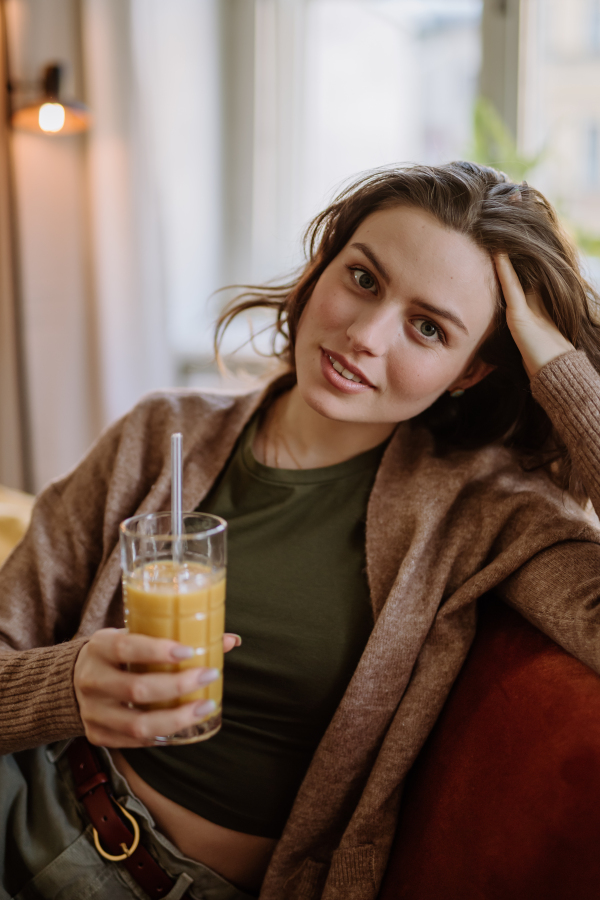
(230, 641)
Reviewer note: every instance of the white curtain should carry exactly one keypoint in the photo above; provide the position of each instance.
(51, 214)
(127, 253)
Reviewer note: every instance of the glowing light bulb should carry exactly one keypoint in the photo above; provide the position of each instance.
(51, 116)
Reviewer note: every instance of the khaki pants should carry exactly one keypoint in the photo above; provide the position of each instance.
(46, 845)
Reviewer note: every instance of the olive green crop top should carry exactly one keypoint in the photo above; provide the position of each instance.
(297, 594)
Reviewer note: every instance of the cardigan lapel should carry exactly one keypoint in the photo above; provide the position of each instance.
(208, 439)
(404, 608)
(390, 519)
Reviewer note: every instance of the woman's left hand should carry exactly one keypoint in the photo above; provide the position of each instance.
(534, 332)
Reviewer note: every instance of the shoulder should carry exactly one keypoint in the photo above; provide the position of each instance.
(194, 413)
(491, 483)
(188, 402)
(208, 421)
(466, 510)
(140, 439)
(503, 480)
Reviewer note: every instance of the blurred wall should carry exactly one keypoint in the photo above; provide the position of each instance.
(112, 265)
(53, 226)
(89, 234)
(13, 419)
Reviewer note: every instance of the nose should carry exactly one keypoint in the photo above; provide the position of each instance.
(372, 330)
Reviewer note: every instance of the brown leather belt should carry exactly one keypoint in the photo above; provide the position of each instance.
(112, 837)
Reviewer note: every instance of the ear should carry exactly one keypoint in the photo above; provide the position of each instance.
(475, 372)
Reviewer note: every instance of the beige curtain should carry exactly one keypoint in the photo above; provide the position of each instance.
(13, 465)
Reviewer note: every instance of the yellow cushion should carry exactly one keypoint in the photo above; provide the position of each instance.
(15, 512)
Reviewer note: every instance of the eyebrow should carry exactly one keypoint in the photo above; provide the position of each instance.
(442, 313)
(429, 307)
(364, 248)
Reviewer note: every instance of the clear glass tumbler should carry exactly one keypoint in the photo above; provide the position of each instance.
(174, 587)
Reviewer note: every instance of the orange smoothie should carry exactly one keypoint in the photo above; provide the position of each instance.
(185, 602)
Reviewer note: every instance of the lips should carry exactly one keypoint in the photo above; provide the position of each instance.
(346, 369)
(341, 383)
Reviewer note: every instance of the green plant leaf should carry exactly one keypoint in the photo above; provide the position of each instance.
(494, 145)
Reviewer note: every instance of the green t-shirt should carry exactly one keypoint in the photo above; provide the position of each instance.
(297, 593)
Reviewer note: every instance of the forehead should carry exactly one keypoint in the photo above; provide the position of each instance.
(428, 257)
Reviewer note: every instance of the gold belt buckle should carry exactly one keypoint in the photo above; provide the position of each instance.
(126, 851)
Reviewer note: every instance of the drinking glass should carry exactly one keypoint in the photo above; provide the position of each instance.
(174, 587)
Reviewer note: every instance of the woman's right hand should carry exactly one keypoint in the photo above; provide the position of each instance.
(108, 694)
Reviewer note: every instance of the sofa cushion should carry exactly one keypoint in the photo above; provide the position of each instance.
(15, 512)
(504, 800)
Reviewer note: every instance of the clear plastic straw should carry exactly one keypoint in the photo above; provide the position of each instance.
(176, 513)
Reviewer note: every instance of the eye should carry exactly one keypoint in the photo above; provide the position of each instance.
(428, 330)
(364, 280)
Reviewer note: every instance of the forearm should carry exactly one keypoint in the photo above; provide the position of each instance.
(559, 592)
(568, 389)
(37, 698)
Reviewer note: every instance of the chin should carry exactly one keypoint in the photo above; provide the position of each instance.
(323, 404)
(339, 409)
(367, 408)
(321, 401)
(347, 409)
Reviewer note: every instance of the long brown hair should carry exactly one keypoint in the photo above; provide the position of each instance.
(499, 216)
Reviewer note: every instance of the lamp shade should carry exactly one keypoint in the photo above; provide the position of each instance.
(52, 118)
(50, 114)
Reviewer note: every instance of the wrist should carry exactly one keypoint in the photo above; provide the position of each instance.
(535, 363)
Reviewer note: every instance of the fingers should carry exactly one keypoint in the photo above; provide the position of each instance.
(109, 696)
(517, 301)
(99, 672)
(534, 302)
(536, 335)
(122, 648)
(120, 727)
(150, 687)
(230, 641)
(512, 289)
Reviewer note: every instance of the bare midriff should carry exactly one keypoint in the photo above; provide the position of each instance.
(240, 858)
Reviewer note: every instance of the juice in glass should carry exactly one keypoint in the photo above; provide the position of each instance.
(175, 588)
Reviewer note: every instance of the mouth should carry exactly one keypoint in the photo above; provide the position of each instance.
(346, 369)
(342, 374)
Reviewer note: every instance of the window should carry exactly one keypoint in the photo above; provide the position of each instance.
(559, 111)
(251, 114)
(594, 26)
(316, 92)
(592, 161)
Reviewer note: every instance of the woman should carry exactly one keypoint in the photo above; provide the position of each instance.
(411, 346)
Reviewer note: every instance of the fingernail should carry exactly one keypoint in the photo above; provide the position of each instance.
(205, 676)
(181, 652)
(238, 640)
(205, 708)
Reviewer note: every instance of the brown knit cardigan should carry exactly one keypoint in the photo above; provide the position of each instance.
(441, 532)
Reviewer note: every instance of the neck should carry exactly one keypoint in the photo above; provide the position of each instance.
(295, 436)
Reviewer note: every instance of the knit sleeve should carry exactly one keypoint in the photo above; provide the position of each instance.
(568, 389)
(44, 585)
(37, 696)
(558, 588)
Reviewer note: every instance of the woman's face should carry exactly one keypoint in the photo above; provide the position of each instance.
(402, 310)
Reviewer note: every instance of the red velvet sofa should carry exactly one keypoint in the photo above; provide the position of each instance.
(504, 800)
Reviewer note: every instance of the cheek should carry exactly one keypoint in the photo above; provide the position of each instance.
(327, 310)
(412, 372)
(419, 374)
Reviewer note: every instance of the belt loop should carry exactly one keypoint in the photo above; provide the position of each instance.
(180, 887)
